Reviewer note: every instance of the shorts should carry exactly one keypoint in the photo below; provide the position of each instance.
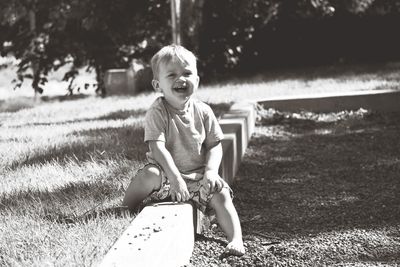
(199, 191)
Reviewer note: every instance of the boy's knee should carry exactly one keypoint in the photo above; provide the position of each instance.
(221, 196)
(150, 175)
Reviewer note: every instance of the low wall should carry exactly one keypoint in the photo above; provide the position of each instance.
(384, 100)
(127, 81)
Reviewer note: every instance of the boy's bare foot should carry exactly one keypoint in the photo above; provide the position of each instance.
(235, 248)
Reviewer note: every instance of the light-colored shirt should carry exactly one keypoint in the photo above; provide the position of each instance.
(186, 133)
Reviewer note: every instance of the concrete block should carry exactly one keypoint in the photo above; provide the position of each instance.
(127, 81)
(161, 235)
(385, 101)
(230, 159)
(239, 127)
(201, 221)
(244, 110)
(118, 81)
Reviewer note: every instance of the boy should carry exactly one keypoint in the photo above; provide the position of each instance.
(184, 146)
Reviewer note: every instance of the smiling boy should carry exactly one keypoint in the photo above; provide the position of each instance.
(185, 151)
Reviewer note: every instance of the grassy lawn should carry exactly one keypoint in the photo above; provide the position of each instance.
(64, 165)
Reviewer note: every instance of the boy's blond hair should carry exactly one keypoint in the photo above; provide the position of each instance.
(171, 53)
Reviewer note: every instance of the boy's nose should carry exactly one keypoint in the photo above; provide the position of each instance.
(181, 79)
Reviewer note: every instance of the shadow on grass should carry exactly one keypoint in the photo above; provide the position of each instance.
(390, 258)
(66, 97)
(305, 183)
(92, 214)
(73, 203)
(22, 102)
(14, 105)
(123, 114)
(97, 144)
(347, 71)
(116, 115)
(387, 71)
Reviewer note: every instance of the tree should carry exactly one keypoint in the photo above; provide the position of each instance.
(47, 34)
(249, 35)
(190, 21)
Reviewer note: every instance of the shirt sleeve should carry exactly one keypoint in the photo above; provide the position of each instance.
(213, 129)
(154, 125)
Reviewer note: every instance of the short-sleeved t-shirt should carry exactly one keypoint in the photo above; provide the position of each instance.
(186, 134)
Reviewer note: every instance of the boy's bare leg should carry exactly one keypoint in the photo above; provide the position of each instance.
(228, 219)
(142, 185)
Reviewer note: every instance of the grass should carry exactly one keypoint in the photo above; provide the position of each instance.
(64, 164)
(64, 167)
(316, 80)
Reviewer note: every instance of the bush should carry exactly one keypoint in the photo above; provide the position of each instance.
(259, 34)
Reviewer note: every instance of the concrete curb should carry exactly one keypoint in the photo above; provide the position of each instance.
(238, 126)
(384, 101)
(161, 235)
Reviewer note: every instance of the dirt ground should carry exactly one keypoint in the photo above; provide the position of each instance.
(316, 189)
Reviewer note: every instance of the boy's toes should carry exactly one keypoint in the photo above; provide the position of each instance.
(235, 248)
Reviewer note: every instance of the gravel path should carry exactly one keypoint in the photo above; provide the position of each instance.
(316, 190)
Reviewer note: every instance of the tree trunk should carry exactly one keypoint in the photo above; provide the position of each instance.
(101, 89)
(190, 23)
(175, 21)
(35, 62)
(32, 20)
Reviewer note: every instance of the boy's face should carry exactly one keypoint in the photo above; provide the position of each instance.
(177, 81)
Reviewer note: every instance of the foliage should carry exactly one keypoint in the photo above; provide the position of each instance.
(254, 34)
(92, 32)
(258, 34)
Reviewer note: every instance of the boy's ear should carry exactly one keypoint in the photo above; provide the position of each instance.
(156, 85)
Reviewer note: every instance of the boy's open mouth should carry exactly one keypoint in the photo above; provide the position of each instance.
(180, 89)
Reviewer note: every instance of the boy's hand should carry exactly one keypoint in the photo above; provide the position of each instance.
(179, 191)
(214, 180)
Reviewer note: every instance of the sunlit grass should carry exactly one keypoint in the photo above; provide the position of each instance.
(33, 241)
(64, 167)
(300, 82)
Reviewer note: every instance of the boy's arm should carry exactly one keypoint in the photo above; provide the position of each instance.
(213, 157)
(213, 160)
(160, 153)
